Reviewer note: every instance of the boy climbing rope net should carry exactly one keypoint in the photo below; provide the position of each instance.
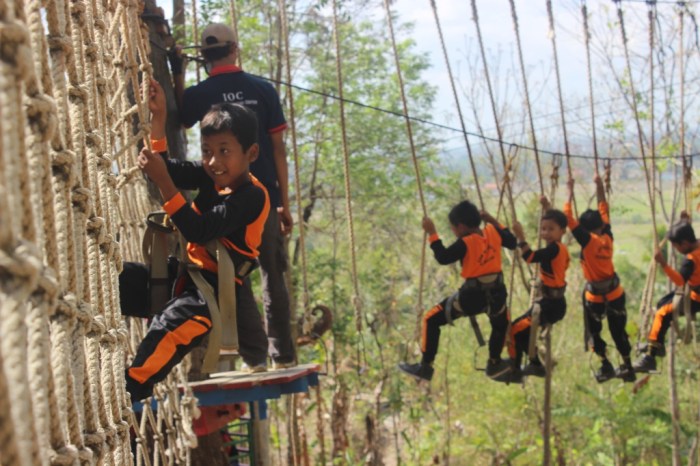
(231, 206)
(484, 291)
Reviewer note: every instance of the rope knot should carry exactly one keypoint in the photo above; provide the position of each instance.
(41, 112)
(95, 227)
(82, 200)
(22, 266)
(62, 164)
(96, 442)
(48, 285)
(97, 326)
(123, 333)
(14, 37)
(66, 308)
(77, 94)
(91, 52)
(101, 84)
(84, 315)
(78, 13)
(109, 337)
(104, 162)
(126, 176)
(66, 455)
(85, 455)
(92, 139)
(60, 44)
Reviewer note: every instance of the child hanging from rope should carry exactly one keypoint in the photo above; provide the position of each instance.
(682, 237)
(479, 252)
(603, 296)
(554, 261)
(231, 206)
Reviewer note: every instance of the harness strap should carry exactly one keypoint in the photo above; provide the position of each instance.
(154, 247)
(222, 308)
(534, 329)
(211, 357)
(453, 302)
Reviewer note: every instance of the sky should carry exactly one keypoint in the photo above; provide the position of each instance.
(498, 33)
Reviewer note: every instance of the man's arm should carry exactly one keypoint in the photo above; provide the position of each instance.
(279, 154)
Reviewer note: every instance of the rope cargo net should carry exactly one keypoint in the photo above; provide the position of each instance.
(71, 207)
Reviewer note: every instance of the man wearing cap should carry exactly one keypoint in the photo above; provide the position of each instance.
(229, 83)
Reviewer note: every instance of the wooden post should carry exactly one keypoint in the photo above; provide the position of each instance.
(675, 414)
(261, 432)
(547, 427)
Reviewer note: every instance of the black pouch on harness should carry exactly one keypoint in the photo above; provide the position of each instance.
(488, 284)
(603, 287)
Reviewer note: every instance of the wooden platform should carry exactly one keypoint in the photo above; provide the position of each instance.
(237, 387)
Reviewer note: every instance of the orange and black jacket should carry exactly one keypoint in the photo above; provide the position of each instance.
(554, 260)
(236, 218)
(596, 252)
(689, 272)
(480, 254)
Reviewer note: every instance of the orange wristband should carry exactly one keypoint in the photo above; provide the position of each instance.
(159, 145)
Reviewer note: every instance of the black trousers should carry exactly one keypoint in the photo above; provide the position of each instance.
(473, 301)
(181, 326)
(551, 311)
(594, 313)
(664, 317)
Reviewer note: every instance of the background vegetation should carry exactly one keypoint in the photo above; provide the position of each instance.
(370, 414)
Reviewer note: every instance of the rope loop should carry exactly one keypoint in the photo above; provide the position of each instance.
(24, 265)
(64, 456)
(78, 94)
(14, 38)
(62, 162)
(66, 308)
(41, 113)
(60, 45)
(82, 200)
(97, 327)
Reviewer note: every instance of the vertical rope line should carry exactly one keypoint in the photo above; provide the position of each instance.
(475, 18)
(687, 173)
(526, 92)
(587, 41)
(555, 54)
(346, 170)
(407, 119)
(295, 151)
(416, 168)
(534, 290)
(234, 23)
(195, 34)
(640, 135)
(652, 132)
(457, 104)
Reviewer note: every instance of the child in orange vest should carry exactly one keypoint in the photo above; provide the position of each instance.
(603, 297)
(682, 237)
(554, 261)
(484, 291)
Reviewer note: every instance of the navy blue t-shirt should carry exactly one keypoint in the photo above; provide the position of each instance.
(231, 84)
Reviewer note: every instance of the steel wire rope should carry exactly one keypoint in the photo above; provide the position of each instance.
(434, 124)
